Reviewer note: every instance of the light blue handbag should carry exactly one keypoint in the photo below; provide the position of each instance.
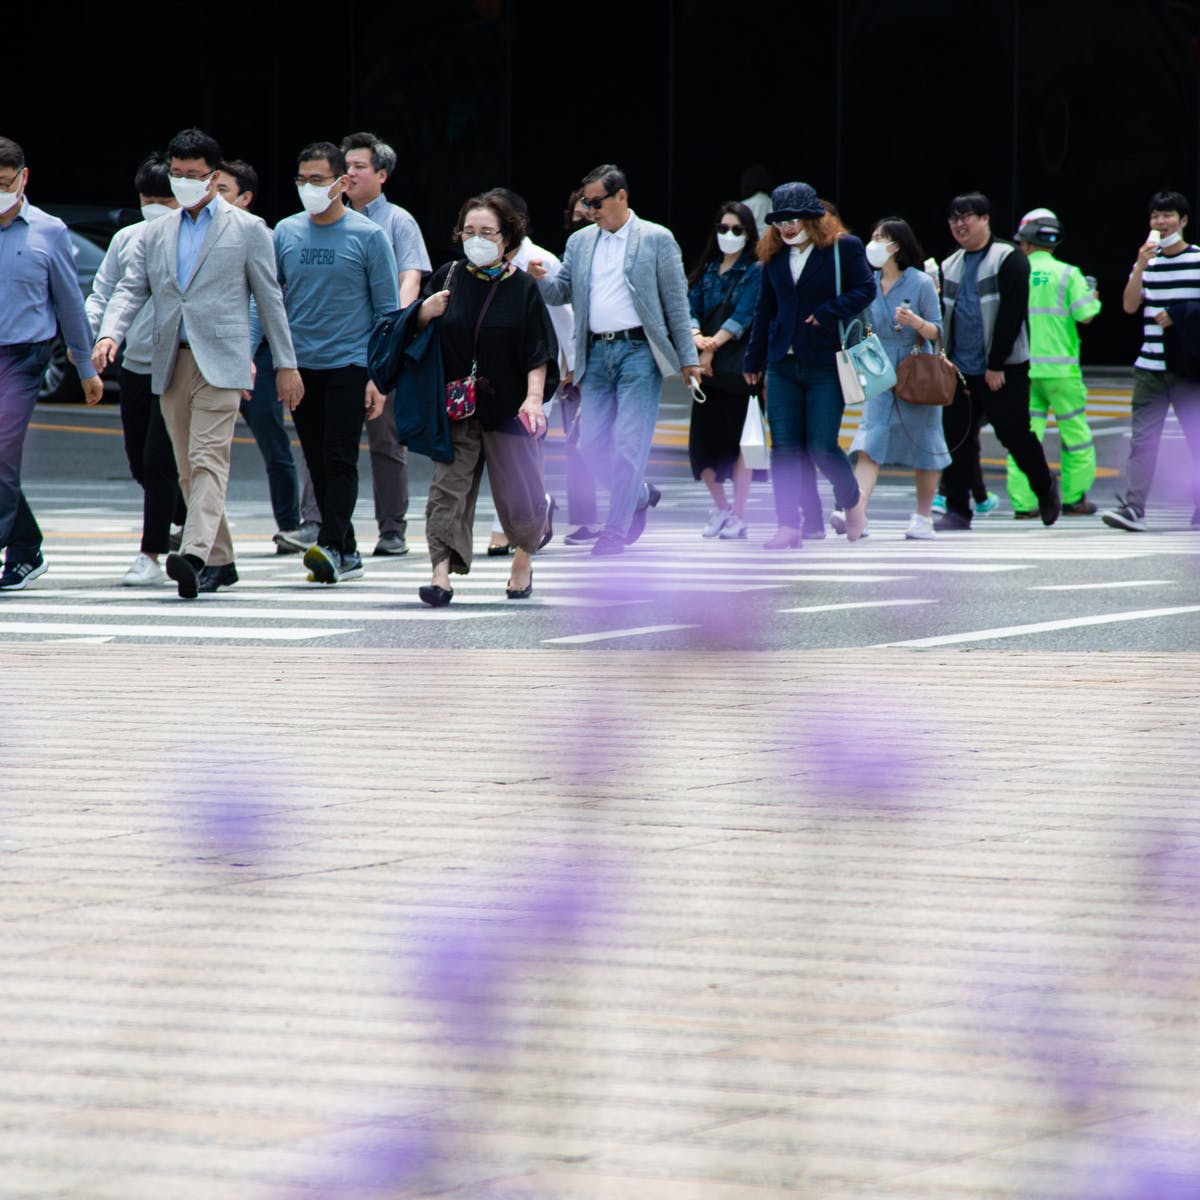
(864, 367)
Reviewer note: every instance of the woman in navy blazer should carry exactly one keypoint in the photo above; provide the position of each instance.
(795, 337)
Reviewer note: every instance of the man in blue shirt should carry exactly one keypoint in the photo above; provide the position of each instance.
(369, 164)
(39, 287)
(338, 275)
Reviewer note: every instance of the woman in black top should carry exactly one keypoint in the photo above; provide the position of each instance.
(516, 355)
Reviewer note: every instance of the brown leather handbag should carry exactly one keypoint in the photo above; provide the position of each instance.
(927, 378)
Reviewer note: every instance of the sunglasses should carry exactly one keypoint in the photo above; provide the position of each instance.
(735, 229)
(595, 202)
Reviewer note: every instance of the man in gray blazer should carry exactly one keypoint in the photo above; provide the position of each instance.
(201, 267)
(625, 278)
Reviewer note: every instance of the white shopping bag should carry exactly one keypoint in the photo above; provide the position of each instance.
(755, 453)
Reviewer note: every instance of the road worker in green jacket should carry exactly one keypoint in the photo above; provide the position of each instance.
(1060, 300)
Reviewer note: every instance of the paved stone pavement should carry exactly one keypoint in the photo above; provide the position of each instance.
(286, 923)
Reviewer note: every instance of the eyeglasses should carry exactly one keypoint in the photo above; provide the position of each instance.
(318, 180)
(193, 175)
(787, 222)
(595, 202)
(490, 234)
(735, 229)
(962, 218)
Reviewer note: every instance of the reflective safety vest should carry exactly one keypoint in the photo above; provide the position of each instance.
(1059, 298)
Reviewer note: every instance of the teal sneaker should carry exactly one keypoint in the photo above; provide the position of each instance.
(989, 505)
(939, 504)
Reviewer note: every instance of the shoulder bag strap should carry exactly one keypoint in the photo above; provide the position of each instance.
(837, 275)
(479, 323)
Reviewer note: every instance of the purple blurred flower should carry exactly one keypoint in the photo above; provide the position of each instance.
(1045, 1028)
(1171, 875)
(232, 813)
(467, 968)
(864, 754)
(384, 1161)
(1144, 1168)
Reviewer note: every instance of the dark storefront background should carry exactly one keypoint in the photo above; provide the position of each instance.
(1085, 106)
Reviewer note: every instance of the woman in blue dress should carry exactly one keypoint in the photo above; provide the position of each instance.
(905, 311)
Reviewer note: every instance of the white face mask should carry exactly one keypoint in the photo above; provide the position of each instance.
(9, 200)
(796, 239)
(878, 253)
(1172, 239)
(151, 212)
(315, 198)
(189, 192)
(481, 251)
(731, 243)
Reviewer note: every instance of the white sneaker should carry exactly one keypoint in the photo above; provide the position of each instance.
(717, 520)
(734, 528)
(837, 519)
(920, 529)
(145, 572)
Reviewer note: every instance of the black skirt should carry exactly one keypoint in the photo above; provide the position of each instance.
(715, 435)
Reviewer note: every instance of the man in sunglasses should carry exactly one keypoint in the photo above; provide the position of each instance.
(624, 277)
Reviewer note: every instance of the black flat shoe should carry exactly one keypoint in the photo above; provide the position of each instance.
(549, 523)
(499, 551)
(434, 596)
(521, 593)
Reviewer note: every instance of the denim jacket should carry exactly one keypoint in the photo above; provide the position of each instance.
(710, 292)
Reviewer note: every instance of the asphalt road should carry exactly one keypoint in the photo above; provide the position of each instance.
(1004, 584)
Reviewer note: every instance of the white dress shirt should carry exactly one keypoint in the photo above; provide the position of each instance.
(610, 302)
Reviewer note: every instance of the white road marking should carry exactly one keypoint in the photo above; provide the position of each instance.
(267, 634)
(580, 638)
(217, 608)
(818, 608)
(1007, 631)
(1091, 587)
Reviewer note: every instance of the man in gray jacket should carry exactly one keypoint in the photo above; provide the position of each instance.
(201, 267)
(625, 278)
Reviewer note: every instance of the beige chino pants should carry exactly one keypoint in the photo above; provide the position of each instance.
(200, 420)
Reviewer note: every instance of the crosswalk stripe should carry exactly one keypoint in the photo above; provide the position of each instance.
(222, 632)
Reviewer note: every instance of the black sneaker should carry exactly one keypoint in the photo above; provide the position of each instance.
(581, 536)
(324, 564)
(608, 543)
(17, 574)
(351, 567)
(1124, 517)
(951, 521)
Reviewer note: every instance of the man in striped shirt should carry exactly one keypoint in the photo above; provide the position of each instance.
(1167, 271)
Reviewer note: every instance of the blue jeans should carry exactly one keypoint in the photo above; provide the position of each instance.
(620, 393)
(21, 370)
(804, 410)
(264, 415)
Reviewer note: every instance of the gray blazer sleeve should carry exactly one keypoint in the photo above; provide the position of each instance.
(672, 290)
(128, 297)
(558, 290)
(268, 299)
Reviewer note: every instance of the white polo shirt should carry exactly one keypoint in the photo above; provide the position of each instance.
(610, 302)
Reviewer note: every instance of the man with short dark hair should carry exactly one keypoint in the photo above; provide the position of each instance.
(338, 273)
(39, 288)
(624, 277)
(370, 162)
(201, 267)
(1166, 272)
(147, 444)
(985, 295)
(237, 183)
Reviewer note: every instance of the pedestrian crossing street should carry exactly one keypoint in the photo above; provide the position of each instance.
(669, 570)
